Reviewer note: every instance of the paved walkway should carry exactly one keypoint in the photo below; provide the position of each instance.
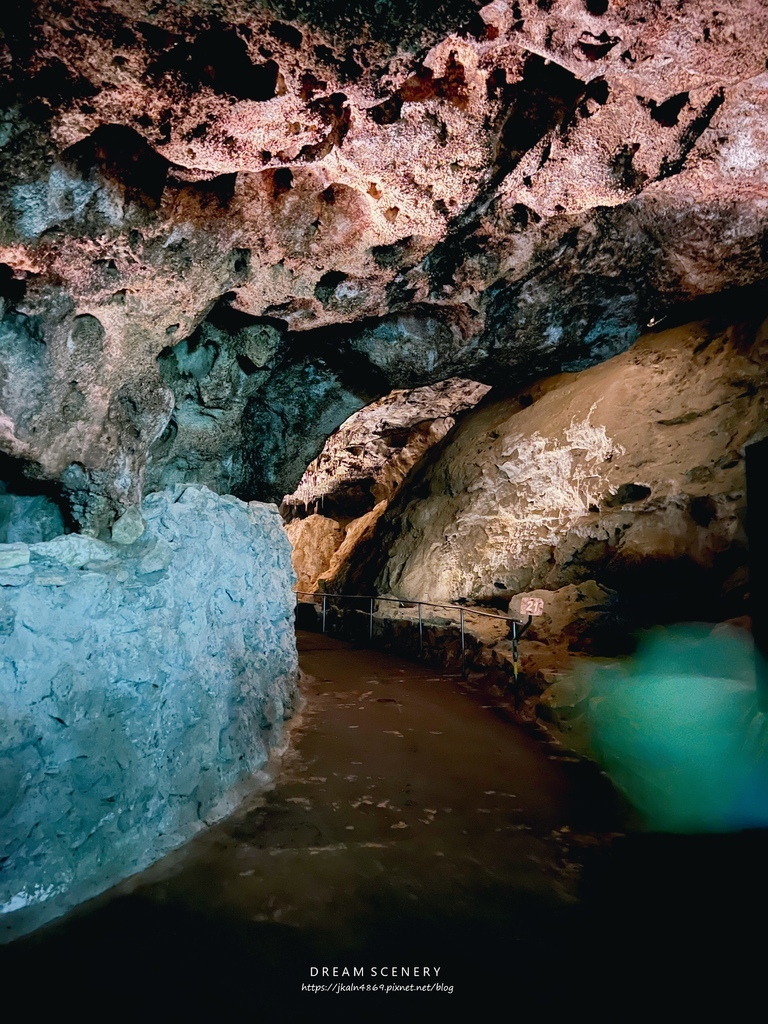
(412, 826)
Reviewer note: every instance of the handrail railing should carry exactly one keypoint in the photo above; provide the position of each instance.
(403, 602)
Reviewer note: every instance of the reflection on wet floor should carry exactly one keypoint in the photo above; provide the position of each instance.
(412, 824)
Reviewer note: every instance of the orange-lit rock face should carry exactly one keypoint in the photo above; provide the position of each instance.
(435, 190)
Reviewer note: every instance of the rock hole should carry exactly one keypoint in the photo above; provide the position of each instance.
(387, 112)
(628, 494)
(391, 256)
(598, 90)
(596, 47)
(246, 365)
(122, 155)
(13, 284)
(327, 285)
(496, 83)
(691, 135)
(310, 84)
(546, 97)
(349, 67)
(703, 511)
(170, 432)
(219, 58)
(242, 261)
(31, 510)
(282, 181)
(288, 34)
(623, 168)
(668, 112)
(325, 54)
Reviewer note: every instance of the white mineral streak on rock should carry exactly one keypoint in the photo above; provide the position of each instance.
(13, 555)
(25, 898)
(640, 458)
(542, 489)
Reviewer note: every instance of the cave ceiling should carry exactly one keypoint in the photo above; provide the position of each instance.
(226, 226)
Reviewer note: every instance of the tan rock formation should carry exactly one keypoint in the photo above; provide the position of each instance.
(359, 471)
(630, 473)
(315, 540)
(368, 457)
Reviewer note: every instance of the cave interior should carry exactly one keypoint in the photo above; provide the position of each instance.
(387, 322)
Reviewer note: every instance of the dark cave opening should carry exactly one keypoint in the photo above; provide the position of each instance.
(123, 156)
(31, 510)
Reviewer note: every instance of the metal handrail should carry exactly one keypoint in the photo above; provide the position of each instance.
(428, 604)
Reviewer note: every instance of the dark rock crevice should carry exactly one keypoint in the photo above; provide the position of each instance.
(691, 135)
(543, 101)
(121, 155)
(218, 58)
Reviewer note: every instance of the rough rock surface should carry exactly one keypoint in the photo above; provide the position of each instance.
(350, 484)
(315, 540)
(322, 207)
(367, 458)
(141, 683)
(630, 473)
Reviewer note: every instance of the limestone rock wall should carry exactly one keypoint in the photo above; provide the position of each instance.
(316, 208)
(141, 684)
(630, 473)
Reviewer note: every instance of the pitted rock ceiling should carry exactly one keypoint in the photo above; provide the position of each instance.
(227, 225)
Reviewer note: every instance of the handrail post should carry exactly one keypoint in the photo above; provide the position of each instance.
(463, 659)
(325, 596)
(515, 666)
(421, 630)
(370, 623)
(515, 663)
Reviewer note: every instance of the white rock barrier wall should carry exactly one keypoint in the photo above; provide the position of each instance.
(141, 686)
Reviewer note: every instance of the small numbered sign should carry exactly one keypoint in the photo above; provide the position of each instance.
(531, 605)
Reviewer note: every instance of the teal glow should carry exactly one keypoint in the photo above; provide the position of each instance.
(677, 729)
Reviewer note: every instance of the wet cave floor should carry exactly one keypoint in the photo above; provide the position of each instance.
(412, 825)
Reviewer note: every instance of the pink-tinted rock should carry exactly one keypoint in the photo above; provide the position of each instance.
(495, 192)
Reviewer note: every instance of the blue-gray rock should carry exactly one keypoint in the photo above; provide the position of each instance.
(29, 519)
(13, 555)
(128, 528)
(142, 687)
